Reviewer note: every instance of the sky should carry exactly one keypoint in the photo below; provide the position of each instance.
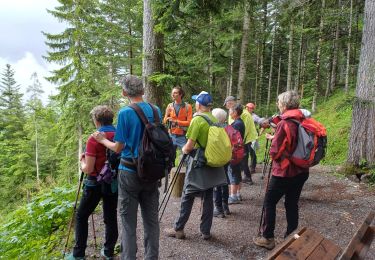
(22, 42)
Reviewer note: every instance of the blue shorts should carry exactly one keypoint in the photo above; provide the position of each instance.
(234, 174)
(178, 140)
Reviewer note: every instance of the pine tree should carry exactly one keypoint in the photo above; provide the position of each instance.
(35, 104)
(362, 136)
(14, 154)
(81, 74)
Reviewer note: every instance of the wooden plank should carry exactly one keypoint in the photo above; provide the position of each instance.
(327, 250)
(363, 247)
(303, 246)
(282, 246)
(356, 239)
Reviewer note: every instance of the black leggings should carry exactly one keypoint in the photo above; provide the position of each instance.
(90, 199)
(278, 187)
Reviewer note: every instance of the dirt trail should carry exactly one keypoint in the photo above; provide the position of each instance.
(332, 205)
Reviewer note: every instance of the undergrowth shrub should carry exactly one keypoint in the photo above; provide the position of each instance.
(34, 230)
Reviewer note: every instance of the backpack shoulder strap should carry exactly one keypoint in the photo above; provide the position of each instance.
(155, 113)
(142, 115)
(208, 120)
(294, 121)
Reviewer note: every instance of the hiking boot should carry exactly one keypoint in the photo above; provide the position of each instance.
(233, 200)
(206, 236)
(171, 232)
(218, 213)
(105, 256)
(72, 257)
(226, 209)
(268, 243)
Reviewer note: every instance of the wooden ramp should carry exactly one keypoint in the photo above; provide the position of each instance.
(309, 244)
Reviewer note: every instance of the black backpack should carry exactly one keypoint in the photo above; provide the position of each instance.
(155, 151)
(110, 169)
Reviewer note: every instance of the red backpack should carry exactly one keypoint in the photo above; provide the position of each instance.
(238, 148)
(311, 144)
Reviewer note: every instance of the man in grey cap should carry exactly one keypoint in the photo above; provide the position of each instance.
(250, 134)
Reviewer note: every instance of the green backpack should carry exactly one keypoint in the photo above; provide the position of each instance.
(218, 151)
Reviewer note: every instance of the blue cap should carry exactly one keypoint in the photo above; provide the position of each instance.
(203, 98)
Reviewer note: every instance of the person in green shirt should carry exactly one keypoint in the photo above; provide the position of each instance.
(250, 135)
(197, 135)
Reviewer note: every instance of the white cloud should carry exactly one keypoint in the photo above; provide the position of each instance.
(21, 26)
(22, 45)
(25, 67)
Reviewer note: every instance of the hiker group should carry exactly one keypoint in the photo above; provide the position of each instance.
(214, 145)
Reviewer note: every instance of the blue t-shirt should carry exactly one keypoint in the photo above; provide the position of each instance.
(130, 130)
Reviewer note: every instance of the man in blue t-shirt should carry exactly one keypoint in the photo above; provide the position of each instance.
(132, 191)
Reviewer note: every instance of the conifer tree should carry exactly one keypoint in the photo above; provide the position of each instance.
(14, 154)
(362, 136)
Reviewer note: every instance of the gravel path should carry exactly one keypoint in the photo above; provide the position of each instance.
(332, 205)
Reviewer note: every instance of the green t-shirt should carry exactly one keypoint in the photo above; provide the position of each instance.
(198, 129)
(250, 131)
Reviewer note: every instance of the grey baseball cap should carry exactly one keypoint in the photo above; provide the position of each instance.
(229, 98)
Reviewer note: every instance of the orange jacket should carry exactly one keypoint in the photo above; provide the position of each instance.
(181, 121)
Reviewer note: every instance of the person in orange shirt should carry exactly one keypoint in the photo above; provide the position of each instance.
(178, 116)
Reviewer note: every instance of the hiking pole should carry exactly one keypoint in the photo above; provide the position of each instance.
(173, 180)
(171, 186)
(93, 229)
(266, 163)
(266, 158)
(74, 211)
(263, 209)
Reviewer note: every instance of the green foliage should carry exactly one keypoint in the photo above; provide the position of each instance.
(336, 116)
(34, 231)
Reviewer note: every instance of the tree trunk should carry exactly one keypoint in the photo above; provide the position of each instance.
(318, 52)
(210, 59)
(243, 57)
(332, 84)
(152, 55)
(255, 95)
(278, 78)
(347, 71)
(263, 52)
(362, 135)
(271, 70)
(230, 83)
(298, 78)
(290, 56)
(303, 66)
(130, 55)
(36, 151)
(80, 143)
(329, 76)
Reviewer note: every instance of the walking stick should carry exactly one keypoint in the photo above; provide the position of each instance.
(173, 180)
(263, 209)
(93, 229)
(266, 163)
(167, 195)
(73, 213)
(266, 158)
